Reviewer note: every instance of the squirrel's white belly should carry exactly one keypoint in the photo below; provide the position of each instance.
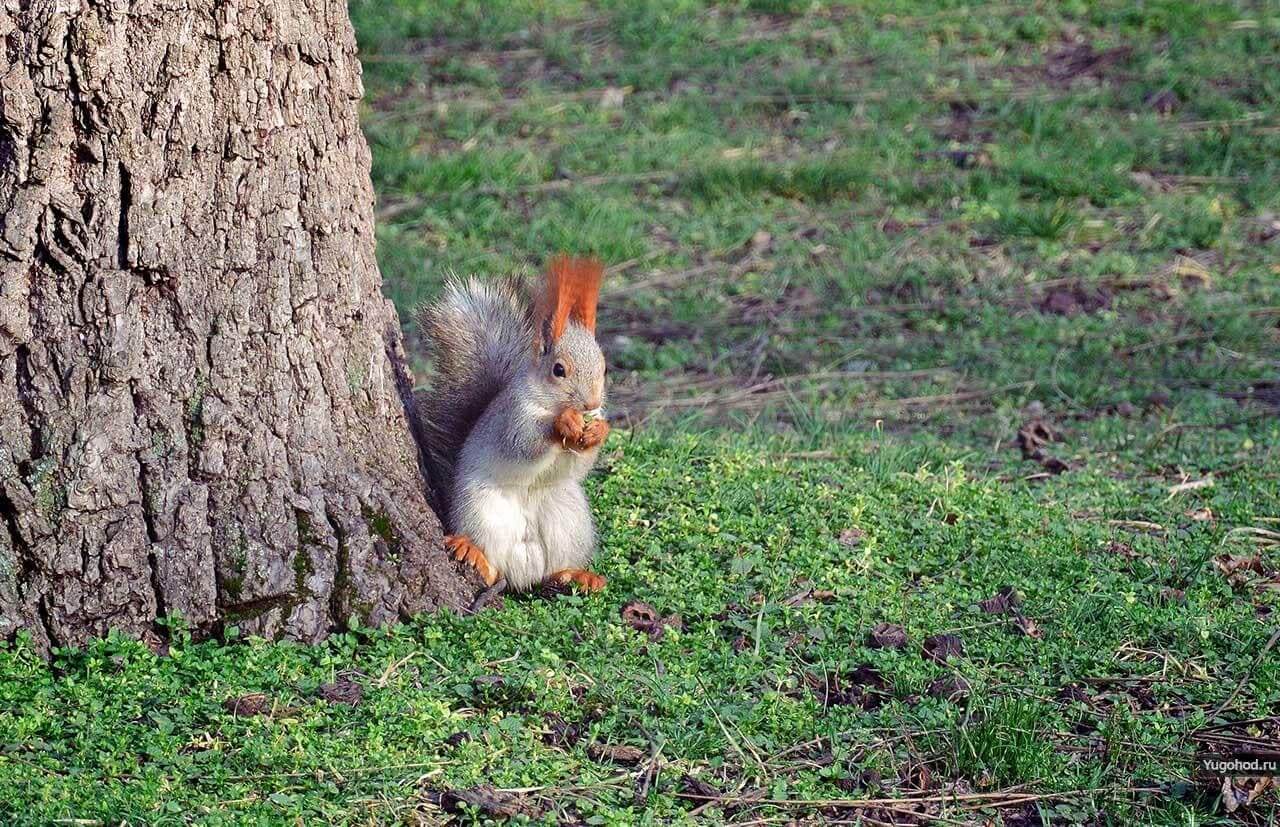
(526, 532)
(503, 523)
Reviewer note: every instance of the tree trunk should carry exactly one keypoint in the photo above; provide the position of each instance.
(202, 395)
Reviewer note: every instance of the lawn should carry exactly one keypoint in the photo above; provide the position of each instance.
(946, 477)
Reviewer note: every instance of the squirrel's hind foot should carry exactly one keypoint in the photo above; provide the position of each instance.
(468, 552)
(588, 581)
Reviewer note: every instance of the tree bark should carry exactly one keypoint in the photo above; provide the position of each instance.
(202, 390)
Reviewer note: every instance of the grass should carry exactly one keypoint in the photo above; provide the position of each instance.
(932, 186)
(855, 248)
(779, 564)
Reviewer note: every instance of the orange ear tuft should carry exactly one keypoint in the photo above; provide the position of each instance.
(573, 289)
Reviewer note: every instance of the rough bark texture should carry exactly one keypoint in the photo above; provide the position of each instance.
(201, 387)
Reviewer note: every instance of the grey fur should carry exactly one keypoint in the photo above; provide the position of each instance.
(481, 334)
(488, 421)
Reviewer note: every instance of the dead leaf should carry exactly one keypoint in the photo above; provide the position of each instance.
(1079, 60)
(1123, 549)
(999, 603)
(488, 800)
(341, 691)
(561, 733)
(1231, 797)
(617, 753)
(851, 537)
(1190, 485)
(639, 615)
(1054, 465)
(244, 706)
(1143, 696)
(643, 617)
(941, 648)
(951, 688)
(887, 636)
(916, 775)
(1240, 792)
(1237, 568)
(695, 787)
(808, 597)
(1232, 563)
(892, 226)
(1200, 515)
(1033, 436)
(1075, 299)
(1027, 626)
(1166, 101)
(864, 687)
(1036, 433)
(158, 645)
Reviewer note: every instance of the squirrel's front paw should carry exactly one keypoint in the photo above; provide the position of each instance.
(593, 434)
(568, 428)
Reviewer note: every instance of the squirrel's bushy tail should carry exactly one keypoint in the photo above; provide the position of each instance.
(481, 333)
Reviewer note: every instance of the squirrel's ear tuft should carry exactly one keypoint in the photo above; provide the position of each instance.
(573, 288)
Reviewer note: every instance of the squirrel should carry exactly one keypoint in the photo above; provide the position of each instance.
(515, 420)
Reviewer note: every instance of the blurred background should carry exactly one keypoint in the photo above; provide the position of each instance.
(819, 214)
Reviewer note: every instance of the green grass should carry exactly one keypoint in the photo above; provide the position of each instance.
(725, 532)
(927, 174)
(908, 228)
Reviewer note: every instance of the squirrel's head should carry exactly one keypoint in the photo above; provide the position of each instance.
(569, 361)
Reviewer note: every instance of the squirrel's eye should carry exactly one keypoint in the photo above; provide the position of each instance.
(558, 370)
